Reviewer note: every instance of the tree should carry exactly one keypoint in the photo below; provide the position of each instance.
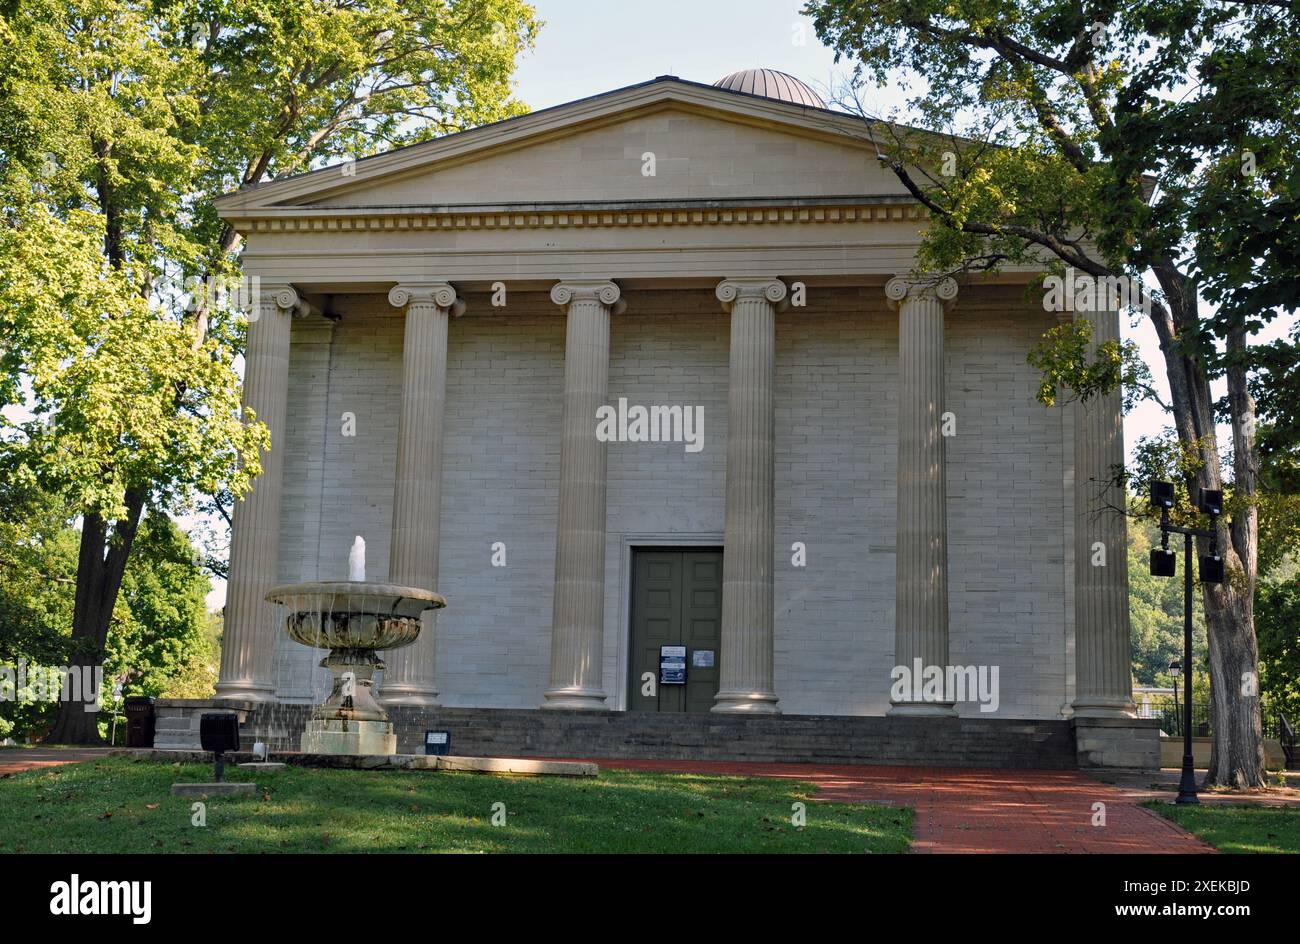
(1155, 139)
(159, 638)
(122, 119)
(160, 628)
(38, 555)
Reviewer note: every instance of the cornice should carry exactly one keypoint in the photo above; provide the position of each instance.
(400, 219)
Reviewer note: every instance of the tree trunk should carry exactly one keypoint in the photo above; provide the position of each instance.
(101, 563)
(1237, 746)
(1237, 752)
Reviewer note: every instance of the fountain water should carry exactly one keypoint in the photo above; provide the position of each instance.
(355, 619)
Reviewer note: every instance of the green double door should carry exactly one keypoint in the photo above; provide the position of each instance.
(676, 616)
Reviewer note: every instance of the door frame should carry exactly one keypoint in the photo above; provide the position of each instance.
(648, 540)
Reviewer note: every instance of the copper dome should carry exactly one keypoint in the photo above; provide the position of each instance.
(771, 84)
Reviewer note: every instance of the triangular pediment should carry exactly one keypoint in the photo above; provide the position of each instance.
(665, 140)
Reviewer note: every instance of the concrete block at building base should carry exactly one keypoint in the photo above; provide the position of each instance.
(176, 720)
(1171, 752)
(1117, 742)
(213, 789)
(263, 765)
(349, 737)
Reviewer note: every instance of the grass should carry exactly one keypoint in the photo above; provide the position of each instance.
(122, 804)
(1238, 828)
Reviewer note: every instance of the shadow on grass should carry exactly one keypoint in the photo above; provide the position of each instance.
(125, 805)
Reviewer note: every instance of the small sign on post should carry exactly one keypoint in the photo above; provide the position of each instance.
(437, 743)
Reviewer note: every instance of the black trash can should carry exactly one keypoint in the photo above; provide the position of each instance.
(139, 721)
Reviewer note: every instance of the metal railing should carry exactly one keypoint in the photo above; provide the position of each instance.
(1170, 714)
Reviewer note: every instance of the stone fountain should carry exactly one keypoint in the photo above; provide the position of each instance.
(354, 619)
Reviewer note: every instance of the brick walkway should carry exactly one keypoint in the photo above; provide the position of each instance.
(17, 759)
(967, 810)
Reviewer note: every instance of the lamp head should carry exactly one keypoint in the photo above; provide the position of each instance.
(1211, 568)
(1163, 562)
(1162, 494)
(219, 733)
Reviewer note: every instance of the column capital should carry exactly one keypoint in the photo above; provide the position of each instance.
(437, 294)
(604, 291)
(901, 288)
(286, 297)
(730, 291)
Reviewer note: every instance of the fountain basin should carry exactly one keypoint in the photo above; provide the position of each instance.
(353, 614)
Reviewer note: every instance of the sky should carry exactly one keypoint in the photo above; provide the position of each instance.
(586, 48)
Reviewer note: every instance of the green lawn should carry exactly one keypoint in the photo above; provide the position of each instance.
(1238, 828)
(122, 804)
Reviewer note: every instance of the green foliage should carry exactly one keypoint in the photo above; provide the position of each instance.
(1277, 623)
(161, 621)
(124, 119)
(1161, 136)
(160, 641)
(1065, 360)
(1165, 457)
(120, 395)
(38, 554)
(1276, 389)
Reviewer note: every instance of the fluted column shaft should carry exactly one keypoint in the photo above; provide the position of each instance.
(410, 676)
(1103, 676)
(251, 623)
(746, 682)
(578, 624)
(921, 576)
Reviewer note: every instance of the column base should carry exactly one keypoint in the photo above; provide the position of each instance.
(574, 699)
(245, 691)
(409, 695)
(749, 703)
(1098, 707)
(1117, 742)
(923, 709)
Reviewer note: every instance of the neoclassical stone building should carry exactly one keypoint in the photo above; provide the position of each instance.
(842, 467)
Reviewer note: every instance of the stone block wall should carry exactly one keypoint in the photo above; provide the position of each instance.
(836, 404)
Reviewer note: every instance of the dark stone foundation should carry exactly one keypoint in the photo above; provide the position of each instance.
(825, 739)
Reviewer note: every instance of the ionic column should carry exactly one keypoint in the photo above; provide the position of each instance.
(250, 622)
(921, 577)
(746, 680)
(409, 678)
(1103, 675)
(578, 625)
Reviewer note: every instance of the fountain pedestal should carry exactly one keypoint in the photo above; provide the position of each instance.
(354, 620)
(350, 721)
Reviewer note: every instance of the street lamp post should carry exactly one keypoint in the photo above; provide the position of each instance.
(1211, 568)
